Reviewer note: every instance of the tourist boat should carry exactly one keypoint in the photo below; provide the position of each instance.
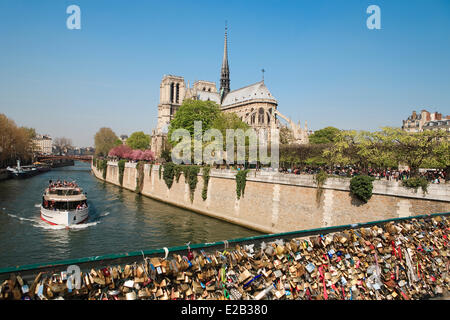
(64, 204)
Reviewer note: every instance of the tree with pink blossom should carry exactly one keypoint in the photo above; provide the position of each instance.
(122, 152)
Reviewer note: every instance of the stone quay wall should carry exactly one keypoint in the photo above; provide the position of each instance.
(277, 202)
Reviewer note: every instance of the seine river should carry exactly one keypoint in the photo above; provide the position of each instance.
(120, 221)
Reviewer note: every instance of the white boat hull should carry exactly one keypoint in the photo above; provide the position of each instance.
(64, 217)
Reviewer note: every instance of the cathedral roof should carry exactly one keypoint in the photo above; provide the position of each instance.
(206, 95)
(251, 92)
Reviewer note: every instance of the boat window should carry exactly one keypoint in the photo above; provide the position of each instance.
(64, 205)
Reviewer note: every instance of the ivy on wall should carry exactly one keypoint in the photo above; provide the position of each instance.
(139, 176)
(241, 179)
(319, 179)
(121, 166)
(178, 169)
(169, 173)
(205, 171)
(102, 165)
(190, 176)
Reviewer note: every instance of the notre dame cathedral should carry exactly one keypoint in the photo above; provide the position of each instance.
(253, 104)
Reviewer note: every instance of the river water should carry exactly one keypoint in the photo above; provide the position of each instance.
(120, 221)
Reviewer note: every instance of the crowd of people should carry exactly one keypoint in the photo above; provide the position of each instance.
(82, 206)
(62, 184)
(433, 176)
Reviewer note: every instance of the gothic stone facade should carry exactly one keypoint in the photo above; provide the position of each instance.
(253, 104)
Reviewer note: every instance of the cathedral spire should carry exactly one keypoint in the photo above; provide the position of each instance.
(225, 71)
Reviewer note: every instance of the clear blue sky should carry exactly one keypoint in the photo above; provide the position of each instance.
(322, 63)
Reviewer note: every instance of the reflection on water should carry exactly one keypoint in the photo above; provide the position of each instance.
(119, 221)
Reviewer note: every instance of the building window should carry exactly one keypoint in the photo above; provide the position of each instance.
(261, 115)
(178, 93)
(171, 92)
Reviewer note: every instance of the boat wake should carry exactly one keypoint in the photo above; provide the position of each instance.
(38, 223)
(20, 218)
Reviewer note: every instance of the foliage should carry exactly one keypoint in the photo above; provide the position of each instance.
(104, 141)
(415, 149)
(138, 140)
(102, 165)
(301, 154)
(415, 183)
(206, 170)
(286, 135)
(138, 155)
(62, 144)
(118, 142)
(140, 176)
(190, 111)
(241, 179)
(325, 135)
(320, 179)
(121, 166)
(191, 178)
(388, 148)
(150, 171)
(169, 173)
(15, 142)
(125, 152)
(178, 169)
(361, 186)
(166, 155)
(159, 172)
(224, 121)
(122, 151)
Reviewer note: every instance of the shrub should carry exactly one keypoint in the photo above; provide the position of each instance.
(415, 183)
(361, 187)
(241, 179)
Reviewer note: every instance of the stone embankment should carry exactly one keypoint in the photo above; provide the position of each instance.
(277, 202)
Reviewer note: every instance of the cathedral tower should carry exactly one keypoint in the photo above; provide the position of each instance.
(225, 71)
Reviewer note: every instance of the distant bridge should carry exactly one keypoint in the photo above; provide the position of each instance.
(44, 158)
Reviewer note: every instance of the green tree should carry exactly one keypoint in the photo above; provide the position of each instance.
(225, 121)
(286, 135)
(31, 132)
(15, 143)
(104, 140)
(325, 135)
(118, 142)
(416, 149)
(62, 144)
(190, 111)
(138, 140)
